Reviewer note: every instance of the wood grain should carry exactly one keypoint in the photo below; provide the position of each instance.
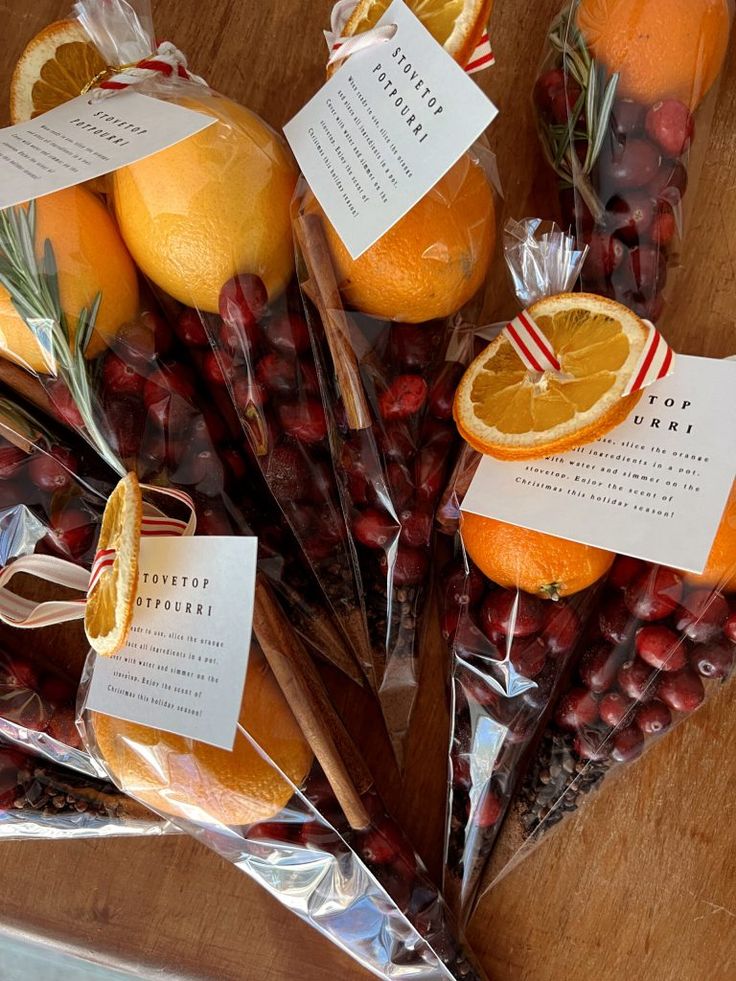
(642, 884)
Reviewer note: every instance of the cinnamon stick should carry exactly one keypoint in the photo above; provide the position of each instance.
(302, 687)
(326, 296)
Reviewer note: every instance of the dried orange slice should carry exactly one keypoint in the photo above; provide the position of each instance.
(457, 25)
(110, 603)
(55, 67)
(505, 411)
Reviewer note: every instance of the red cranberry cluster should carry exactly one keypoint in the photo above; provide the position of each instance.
(35, 699)
(393, 473)
(510, 650)
(257, 364)
(649, 651)
(44, 480)
(385, 850)
(639, 181)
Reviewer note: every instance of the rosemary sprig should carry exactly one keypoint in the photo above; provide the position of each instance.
(34, 289)
(596, 99)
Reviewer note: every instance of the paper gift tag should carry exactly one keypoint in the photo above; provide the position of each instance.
(385, 128)
(183, 668)
(655, 487)
(84, 138)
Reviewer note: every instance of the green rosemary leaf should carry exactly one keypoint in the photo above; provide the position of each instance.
(605, 110)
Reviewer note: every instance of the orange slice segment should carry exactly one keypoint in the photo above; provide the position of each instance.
(505, 411)
(109, 609)
(457, 25)
(55, 67)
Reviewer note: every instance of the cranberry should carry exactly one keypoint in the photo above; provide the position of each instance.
(653, 718)
(477, 690)
(381, 844)
(670, 125)
(488, 810)
(649, 268)
(510, 613)
(163, 381)
(213, 520)
(627, 745)
(303, 421)
(578, 708)
(52, 471)
(449, 621)
(403, 398)
(649, 305)
(564, 102)
(374, 529)
(62, 726)
(238, 338)
(661, 648)
(190, 329)
(576, 214)
(599, 667)
(72, 530)
(461, 772)
(461, 587)
(217, 367)
(630, 216)
(411, 347)
(605, 254)
(614, 620)
(10, 458)
(670, 184)
(16, 672)
(627, 118)
(209, 425)
(277, 374)
(396, 442)
(590, 746)
(713, 660)
(409, 567)
(125, 418)
(274, 831)
(682, 690)
(630, 165)
(243, 299)
(547, 86)
(529, 658)
(63, 403)
(654, 594)
(702, 615)
(664, 226)
(430, 467)
(729, 628)
(288, 333)
(562, 628)
(442, 392)
(135, 345)
(416, 528)
(624, 569)
(307, 379)
(637, 680)
(160, 333)
(400, 484)
(614, 708)
(287, 473)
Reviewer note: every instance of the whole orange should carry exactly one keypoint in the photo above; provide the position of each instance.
(663, 49)
(192, 780)
(720, 570)
(429, 263)
(540, 564)
(91, 258)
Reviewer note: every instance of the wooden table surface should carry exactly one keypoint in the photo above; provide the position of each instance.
(642, 884)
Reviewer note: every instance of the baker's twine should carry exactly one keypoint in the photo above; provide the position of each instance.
(166, 60)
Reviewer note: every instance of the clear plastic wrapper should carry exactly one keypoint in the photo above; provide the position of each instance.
(624, 99)
(390, 343)
(657, 644)
(292, 804)
(40, 799)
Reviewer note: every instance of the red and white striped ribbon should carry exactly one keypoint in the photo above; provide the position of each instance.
(167, 60)
(657, 360)
(17, 611)
(341, 47)
(527, 339)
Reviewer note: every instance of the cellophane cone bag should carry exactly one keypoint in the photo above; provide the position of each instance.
(388, 338)
(292, 804)
(94, 327)
(41, 799)
(657, 644)
(624, 101)
(510, 637)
